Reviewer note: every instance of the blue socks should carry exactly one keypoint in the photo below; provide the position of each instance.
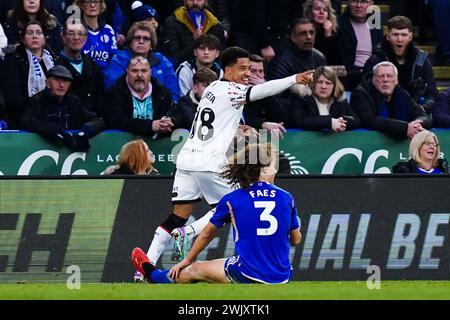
(160, 276)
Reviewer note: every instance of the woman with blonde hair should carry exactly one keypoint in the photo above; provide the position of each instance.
(135, 158)
(326, 107)
(323, 16)
(424, 156)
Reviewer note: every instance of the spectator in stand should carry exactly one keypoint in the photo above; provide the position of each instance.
(384, 106)
(188, 103)
(322, 14)
(206, 51)
(135, 158)
(142, 12)
(101, 44)
(299, 56)
(139, 104)
(441, 110)
(441, 13)
(326, 108)
(33, 10)
(415, 72)
(24, 71)
(142, 40)
(261, 26)
(55, 113)
(267, 113)
(424, 156)
(357, 39)
(87, 76)
(186, 24)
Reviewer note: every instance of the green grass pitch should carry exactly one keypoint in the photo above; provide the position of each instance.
(330, 290)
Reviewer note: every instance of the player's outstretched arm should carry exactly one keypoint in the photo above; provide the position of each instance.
(273, 87)
(203, 239)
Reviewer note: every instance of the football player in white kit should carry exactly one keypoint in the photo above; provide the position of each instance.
(203, 156)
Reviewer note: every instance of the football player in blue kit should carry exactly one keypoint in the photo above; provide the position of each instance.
(264, 221)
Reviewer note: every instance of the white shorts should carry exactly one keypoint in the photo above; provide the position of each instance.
(190, 186)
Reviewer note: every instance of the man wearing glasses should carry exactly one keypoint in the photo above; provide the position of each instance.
(87, 81)
(142, 41)
(139, 104)
(357, 39)
(384, 106)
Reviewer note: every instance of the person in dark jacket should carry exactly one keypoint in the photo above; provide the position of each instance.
(87, 81)
(267, 113)
(324, 18)
(384, 106)
(441, 110)
(424, 156)
(415, 72)
(188, 104)
(358, 36)
(326, 108)
(55, 113)
(139, 104)
(300, 55)
(24, 71)
(33, 10)
(186, 24)
(135, 158)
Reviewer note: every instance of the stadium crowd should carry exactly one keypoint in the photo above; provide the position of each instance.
(70, 69)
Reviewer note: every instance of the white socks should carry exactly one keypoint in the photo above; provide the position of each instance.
(199, 225)
(159, 243)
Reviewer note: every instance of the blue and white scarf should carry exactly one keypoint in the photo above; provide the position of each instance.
(36, 75)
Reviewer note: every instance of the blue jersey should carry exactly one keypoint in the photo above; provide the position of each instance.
(262, 217)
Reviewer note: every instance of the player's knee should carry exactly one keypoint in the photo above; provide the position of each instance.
(173, 221)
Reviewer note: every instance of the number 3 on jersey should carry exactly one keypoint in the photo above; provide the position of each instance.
(265, 216)
(205, 130)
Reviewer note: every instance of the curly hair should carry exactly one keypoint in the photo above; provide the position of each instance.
(244, 166)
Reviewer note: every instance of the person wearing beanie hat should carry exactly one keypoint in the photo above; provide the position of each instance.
(143, 12)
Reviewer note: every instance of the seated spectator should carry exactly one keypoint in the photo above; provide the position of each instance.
(33, 10)
(87, 81)
(415, 72)
(141, 42)
(101, 43)
(357, 39)
(299, 56)
(261, 26)
(206, 51)
(424, 156)
(187, 23)
(54, 112)
(326, 108)
(135, 158)
(384, 106)
(188, 103)
(322, 14)
(139, 104)
(267, 113)
(441, 110)
(143, 12)
(24, 71)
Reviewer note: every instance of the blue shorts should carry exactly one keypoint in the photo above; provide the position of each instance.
(233, 273)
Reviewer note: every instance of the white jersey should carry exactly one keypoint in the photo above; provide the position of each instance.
(215, 124)
(217, 119)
